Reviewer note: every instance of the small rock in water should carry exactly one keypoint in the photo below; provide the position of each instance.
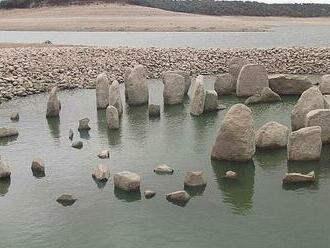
(70, 134)
(101, 173)
(104, 154)
(299, 178)
(77, 144)
(4, 169)
(194, 179)
(8, 132)
(231, 175)
(38, 166)
(149, 194)
(154, 110)
(163, 169)
(83, 125)
(66, 200)
(14, 116)
(178, 197)
(127, 181)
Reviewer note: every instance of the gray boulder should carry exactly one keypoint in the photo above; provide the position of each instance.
(104, 154)
(284, 84)
(149, 194)
(184, 74)
(136, 86)
(178, 197)
(127, 181)
(321, 118)
(224, 84)
(53, 104)
(299, 178)
(163, 169)
(251, 80)
(325, 84)
(115, 98)
(305, 144)
(112, 117)
(236, 139)
(272, 135)
(38, 166)
(197, 81)
(102, 91)
(14, 116)
(195, 179)
(174, 88)
(8, 132)
(198, 100)
(211, 101)
(4, 169)
(154, 110)
(84, 125)
(66, 200)
(234, 67)
(77, 144)
(101, 173)
(266, 95)
(309, 100)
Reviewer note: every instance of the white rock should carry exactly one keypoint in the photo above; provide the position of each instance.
(236, 139)
(104, 154)
(198, 100)
(223, 84)
(299, 178)
(272, 135)
(163, 169)
(195, 179)
(102, 91)
(101, 173)
(127, 181)
(8, 132)
(211, 101)
(174, 88)
(112, 117)
(115, 98)
(53, 104)
(136, 86)
(4, 169)
(320, 117)
(231, 175)
(305, 144)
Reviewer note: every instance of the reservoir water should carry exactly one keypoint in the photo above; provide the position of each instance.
(254, 212)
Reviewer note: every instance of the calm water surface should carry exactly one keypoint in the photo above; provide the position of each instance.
(317, 36)
(254, 212)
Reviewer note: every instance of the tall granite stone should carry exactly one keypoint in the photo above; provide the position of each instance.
(174, 88)
(53, 104)
(198, 100)
(224, 85)
(211, 101)
(102, 91)
(115, 97)
(112, 117)
(136, 86)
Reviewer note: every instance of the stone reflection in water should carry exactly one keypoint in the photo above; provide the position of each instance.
(237, 193)
(114, 136)
(271, 158)
(127, 196)
(4, 186)
(138, 118)
(54, 126)
(203, 125)
(195, 191)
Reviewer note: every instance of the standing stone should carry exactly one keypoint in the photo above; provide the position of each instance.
(272, 135)
(224, 84)
(14, 116)
(38, 166)
(8, 132)
(325, 84)
(236, 139)
(53, 104)
(101, 173)
(174, 88)
(305, 144)
(289, 84)
(84, 125)
(195, 179)
(127, 181)
(198, 100)
(309, 100)
(251, 80)
(4, 169)
(234, 67)
(112, 117)
(136, 86)
(197, 81)
(321, 118)
(211, 101)
(102, 91)
(266, 95)
(115, 98)
(154, 110)
(184, 74)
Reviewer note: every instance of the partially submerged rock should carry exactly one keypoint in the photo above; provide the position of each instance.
(127, 181)
(149, 194)
(284, 84)
(211, 101)
(236, 139)
(77, 144)
(231, 175)
(115, 98)
(321, 118)
(101, 173)
(84, 125)
(266, 95)
(112, 117)
(66, 200)
(163, 169)
(104, 154)
(305, 144)
(325, 84)
(102, 91)
(154, 110)
(8, 132)
(136, 86)
(14, 116)
(178, 197)
(4, 169)
(174, 88)
(38, 166)
(224, 84)
(53, 104)
(198, 99)
(184, 74)
(195, 179)
(251, 80)
(309, 100)
(299, 178)
(272, 135)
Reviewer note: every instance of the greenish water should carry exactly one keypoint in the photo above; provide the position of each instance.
(255, 211)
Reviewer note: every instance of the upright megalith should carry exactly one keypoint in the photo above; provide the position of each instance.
(325, 84)
(211, 101)
(4, 169)
(305, 144)
(53, 104)
(136, 86)
(112, 117)
(321, 118)
(102, 91)
(115, 98)
(251, 80)
(186, 75)
(309, 100)
(234, 67)
(272, 135)
(224, 84)
(174, 88)
(198, 98)
(236, 139)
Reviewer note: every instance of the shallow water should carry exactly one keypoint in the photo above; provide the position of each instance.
(255, 211)
(318, 36)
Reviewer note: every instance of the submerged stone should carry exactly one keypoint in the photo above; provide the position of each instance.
(66, 200)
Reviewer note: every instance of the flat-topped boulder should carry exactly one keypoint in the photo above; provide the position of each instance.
(184, 74)
(211, 101)
(299, 178)
(127, 181)
(101, 173)
(325, 84)
(235, 139)
(53, 104)
(84, 125)
(231, 175)
(102, 91)
(251, 80)
(194, 83)
(284, 84)
(174, 88)
(272, 135)
(305, 144)
(178, 197)
(112, 117)
(265, 95)
(198, 99)
(8, 132)
(235, 66)
(194, 179)
(163, 169)
(321, 118)
(310, 99)
(4, 169)
(136, 86)
(115, 97)
(224, 84)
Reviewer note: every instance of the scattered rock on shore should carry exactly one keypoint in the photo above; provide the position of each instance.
(178, 197)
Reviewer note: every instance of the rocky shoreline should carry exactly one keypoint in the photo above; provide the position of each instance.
(33, 70)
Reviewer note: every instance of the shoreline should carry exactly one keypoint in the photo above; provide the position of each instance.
(33, 70)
